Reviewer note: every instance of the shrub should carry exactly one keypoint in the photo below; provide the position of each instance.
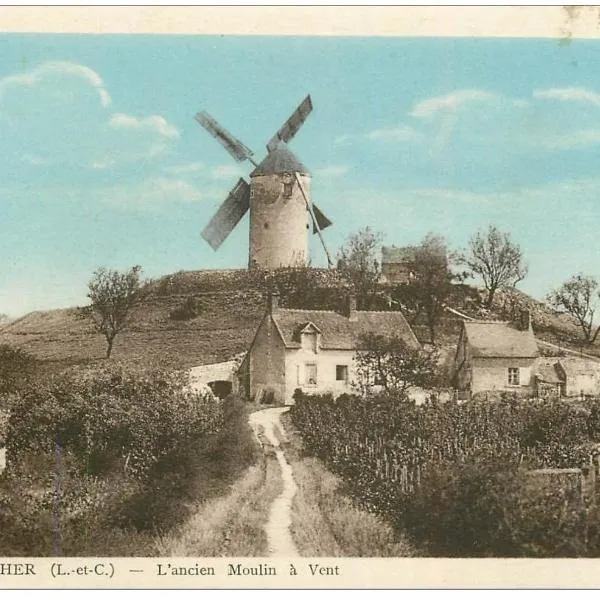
(189, 309)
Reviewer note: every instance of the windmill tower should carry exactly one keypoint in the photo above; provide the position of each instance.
(278, 198)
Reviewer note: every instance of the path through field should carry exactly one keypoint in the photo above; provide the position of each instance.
(268, 423)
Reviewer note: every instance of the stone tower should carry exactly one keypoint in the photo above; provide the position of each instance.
(279, 218)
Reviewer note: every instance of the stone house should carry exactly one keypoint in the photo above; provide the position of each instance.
(312, 350)
(496, 356)
(571, 376)
(398, 265)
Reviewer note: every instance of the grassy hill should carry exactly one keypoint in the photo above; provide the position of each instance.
(229, 305)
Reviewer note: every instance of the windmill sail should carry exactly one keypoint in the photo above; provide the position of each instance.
(228, 215)
(237, 149)
(292, 125)
(321, 220)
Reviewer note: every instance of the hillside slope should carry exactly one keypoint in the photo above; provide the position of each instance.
(230, 308)
(230, 305)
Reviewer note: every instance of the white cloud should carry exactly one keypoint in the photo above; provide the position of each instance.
(190, 168)
(569, 94)
(332, 171)
(569, 140)
(53, 70)
(153, 123)
(58, 113)
(397, 133)
(401, 133)
(227, 171)
(152, 194)
(448, 103)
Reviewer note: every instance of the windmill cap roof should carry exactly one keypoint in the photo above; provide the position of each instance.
(280, 160)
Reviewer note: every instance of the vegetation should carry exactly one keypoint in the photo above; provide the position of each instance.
(325, 520)
(115, 456)
(433, 285)
(358, 263)
(578, 297)
(496, 259)
(113, 295)
(390, 363)
(434, 468)
(16, 366)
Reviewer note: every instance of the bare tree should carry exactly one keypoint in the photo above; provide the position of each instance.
(577, 296)
(390, 363)
(432, 285)
(112, 295)
(358, 263)
(496, 259)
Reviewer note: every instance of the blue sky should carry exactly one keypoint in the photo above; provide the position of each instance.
(104, 165)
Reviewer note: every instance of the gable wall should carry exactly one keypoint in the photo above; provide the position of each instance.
(267, 361)
(490, 374)
(326, 361)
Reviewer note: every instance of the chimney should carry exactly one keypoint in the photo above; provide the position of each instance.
(273, 302)
(351, 307)
(525, 320)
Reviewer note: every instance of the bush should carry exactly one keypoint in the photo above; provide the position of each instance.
(189, 309)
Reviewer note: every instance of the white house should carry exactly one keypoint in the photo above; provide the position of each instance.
(496, 356)
(312, 350)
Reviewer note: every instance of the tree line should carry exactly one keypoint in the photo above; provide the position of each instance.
(491, 255)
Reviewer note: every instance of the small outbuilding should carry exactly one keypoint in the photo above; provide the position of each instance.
(496, 356)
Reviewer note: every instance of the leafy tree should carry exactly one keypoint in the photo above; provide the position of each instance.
(112, 295)
(577, 296)
(496, 259)
(358, 263)
(433, 284)
(391, 363)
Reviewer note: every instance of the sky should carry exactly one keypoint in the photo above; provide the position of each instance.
(103, 163)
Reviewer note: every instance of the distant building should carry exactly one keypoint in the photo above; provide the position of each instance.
(496, 356)
(398, 265)
(312, 350)
(570, 376)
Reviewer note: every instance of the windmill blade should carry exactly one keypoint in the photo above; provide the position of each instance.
(228, 215)
(321, 220)
(237, 149)
(309, 208)
(292, 125)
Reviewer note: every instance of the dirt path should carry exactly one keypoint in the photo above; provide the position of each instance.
(279, 537)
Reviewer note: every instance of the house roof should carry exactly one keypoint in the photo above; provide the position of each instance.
(574, 367)
(545, 370)
(338, 331)
(499, 339)
(280, 160)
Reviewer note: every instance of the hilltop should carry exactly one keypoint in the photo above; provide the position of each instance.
(228, 305)
(227, 308)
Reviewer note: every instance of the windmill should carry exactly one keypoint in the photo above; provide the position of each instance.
(278, 198)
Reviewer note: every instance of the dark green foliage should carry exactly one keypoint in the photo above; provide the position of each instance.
(454, 475)
(16, 366)
(189, 309)
(101, 461)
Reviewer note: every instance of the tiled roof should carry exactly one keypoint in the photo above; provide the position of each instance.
(340, 333)
(280, 160)
(497, 339)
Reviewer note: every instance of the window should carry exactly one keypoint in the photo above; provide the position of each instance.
(311, 374)
(288, 187)
(513, 376)
(341, 372)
